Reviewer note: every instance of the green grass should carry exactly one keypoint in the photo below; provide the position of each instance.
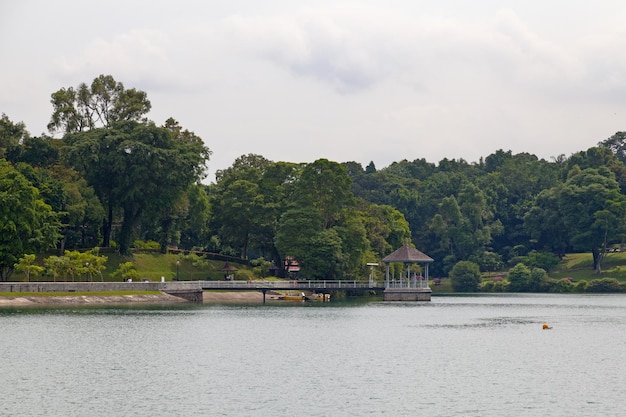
(579, 267)
(152, 266)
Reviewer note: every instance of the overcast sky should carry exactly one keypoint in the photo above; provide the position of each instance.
(298, 80)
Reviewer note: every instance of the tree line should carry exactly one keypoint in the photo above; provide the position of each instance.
(113, 177)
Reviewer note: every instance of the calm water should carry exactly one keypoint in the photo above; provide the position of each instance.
(454, 356)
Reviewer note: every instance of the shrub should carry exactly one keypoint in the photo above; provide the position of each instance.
(501, 286)
(519, 278)
(563, 286)
(543, 260)
(581, 286)
(604, 285)
(465, 276)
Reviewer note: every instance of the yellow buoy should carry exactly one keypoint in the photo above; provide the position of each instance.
(546, 327)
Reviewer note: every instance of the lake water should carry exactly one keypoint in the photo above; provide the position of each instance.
(454, 356)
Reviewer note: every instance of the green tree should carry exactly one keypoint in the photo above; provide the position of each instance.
(519, 278)
(57, 266)
(195, 221)
(465, 276)
(27, 223)
(326, 186)
(587, 212)
(11, 134)
(136, 167)
(101, 104)
(27, 265)
(126, 271)
(295, 233)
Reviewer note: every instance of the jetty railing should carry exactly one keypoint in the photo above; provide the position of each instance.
(291, 284)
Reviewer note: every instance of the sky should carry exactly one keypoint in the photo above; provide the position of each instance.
(367, 80)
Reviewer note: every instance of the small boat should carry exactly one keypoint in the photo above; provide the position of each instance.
(318, 297)
(290, 297)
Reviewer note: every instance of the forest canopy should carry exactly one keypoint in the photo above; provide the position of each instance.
(114, 178)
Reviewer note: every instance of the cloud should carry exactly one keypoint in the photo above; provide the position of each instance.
(354, 48)
(334, 45)
(138, 58)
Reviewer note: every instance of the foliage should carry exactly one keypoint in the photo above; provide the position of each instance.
(27, 265)
(27, 223)
(584, 213)
(11, 134)
(77, 264)
(114, 167)
(519, 278)
(543, 260)
(101, 104)
(604, 285)
(562, 286)
(126, 271)
(136, 168)
(465, 276)
(261, 267)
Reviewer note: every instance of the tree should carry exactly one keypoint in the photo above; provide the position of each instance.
(27, 223)
(195, 221)
(585, 213)
(465, 276)
(519, 277)
(237, 210)
(136, 167)
(326, 186)
(126, 271)
(103, 103)
(617, 145)
(27, 265)
(296, 230)
(57, 266)
(11, 134)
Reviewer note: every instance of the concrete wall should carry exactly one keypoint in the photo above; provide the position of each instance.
(188, 290)
(407, 294)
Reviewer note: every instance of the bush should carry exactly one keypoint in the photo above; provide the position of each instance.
(563, 286)
(543, 260)
(581, 286)
(519, 278)
(465, 276)
(604, 285)
(149, 244)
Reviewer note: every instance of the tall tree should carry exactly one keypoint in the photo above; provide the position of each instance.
(101, 104)
(134, 166)
(326, 186)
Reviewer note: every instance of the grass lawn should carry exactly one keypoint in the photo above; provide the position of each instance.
(152, 266)
(579, 267)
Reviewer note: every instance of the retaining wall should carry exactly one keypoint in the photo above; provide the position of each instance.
(188, 290)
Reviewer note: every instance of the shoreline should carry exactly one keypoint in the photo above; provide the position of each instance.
(163, 298)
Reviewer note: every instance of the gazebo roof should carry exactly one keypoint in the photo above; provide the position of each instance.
(407, 253)
(228, 267)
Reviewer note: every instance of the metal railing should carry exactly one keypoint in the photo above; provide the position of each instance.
(290, 284)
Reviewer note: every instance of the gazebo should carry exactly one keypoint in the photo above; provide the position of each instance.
(229, 271)
(411, 287)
